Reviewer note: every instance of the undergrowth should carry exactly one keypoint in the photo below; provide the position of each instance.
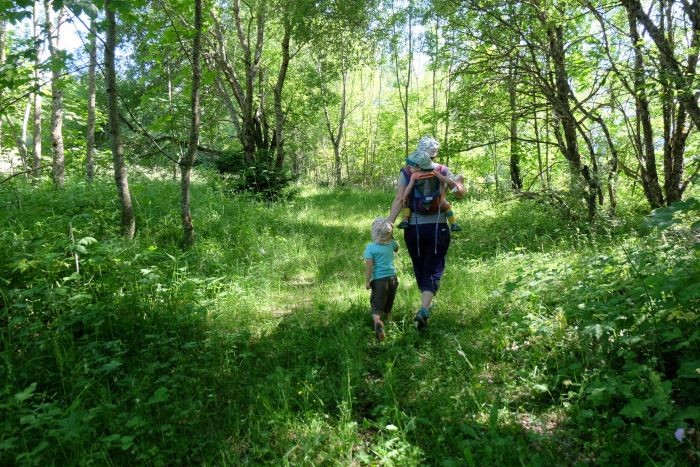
(550, 344)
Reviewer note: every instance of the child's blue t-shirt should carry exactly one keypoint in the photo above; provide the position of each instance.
(382, 254)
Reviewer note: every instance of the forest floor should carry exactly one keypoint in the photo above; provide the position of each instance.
(547, 345)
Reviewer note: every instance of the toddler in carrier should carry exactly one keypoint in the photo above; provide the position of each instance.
(423, 176)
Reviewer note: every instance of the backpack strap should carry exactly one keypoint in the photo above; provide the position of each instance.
(407, 173)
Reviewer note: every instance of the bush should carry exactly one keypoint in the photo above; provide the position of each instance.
(261, 179)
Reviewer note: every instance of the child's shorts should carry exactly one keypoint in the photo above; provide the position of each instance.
(383, 293)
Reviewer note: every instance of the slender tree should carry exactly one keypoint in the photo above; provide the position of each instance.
(516, 179)
(53, 36)
(90, 151)
(3, 35)
(128, 220)
(36, 153)
(645, 138)
(250, 42)
(402, 84)
(188, 162)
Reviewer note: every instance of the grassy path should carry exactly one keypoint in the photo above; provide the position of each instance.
(440, 397)
(256, 346)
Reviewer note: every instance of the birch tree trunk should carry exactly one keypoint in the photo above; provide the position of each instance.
(90, 150)
(188, 162)
(36, 165)
(120, 173)
(22, 143)
(53, 37)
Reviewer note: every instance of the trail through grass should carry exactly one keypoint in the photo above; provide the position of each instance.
(256, 346)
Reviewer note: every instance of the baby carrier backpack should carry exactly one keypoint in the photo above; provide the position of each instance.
(427, 193)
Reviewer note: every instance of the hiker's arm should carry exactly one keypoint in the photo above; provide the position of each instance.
(397, 204)
(451, 183)
(407, 190)
(369, 267)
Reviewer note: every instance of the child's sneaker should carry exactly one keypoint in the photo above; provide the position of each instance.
(420, 321)
(455, 228)
(379, 331)
(403, 225)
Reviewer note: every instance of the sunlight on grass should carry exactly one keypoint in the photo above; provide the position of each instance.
(255, 346)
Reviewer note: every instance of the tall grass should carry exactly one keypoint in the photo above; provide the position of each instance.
(255, 346)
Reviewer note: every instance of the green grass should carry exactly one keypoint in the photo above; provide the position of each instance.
(256, 347)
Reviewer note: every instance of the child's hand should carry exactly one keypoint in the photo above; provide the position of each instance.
(439, 175)
(367, 286)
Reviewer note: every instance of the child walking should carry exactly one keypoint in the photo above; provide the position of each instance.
(380, 273)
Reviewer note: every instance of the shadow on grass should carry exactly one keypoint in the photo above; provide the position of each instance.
(320, 389)
(141, 379)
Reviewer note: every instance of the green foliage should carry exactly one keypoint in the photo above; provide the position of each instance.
(261, 179)
(547, 346)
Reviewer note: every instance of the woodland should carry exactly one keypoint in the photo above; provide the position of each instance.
(186, 188)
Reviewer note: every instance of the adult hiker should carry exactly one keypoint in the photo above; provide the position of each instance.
(427, 236)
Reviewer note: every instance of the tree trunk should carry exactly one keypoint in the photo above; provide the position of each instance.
(252, 64)
(536, 127)
(90, 150)
(682, 79)
(650, 177)
(561, 105)
(568, 142)
(120, 172)
(3, 34)
(25, 126)
(675, 116)
(336, 136)
(434, 84)
(448, 93)
(404, 86)
(188, 226)
(56, 95)
(251, 54)
(279, 112)
(36, 162)
(516, 180)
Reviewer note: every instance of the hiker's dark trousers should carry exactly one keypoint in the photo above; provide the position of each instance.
(428, 244)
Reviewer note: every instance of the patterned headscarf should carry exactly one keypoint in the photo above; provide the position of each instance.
(382, 230)
(428, 144)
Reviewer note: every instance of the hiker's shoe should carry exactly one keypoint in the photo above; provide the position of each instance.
(403, 225)
(379, 331)
(455, 228)
(420, 321)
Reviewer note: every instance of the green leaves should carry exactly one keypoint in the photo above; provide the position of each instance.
(663, 218)
(25, 394)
